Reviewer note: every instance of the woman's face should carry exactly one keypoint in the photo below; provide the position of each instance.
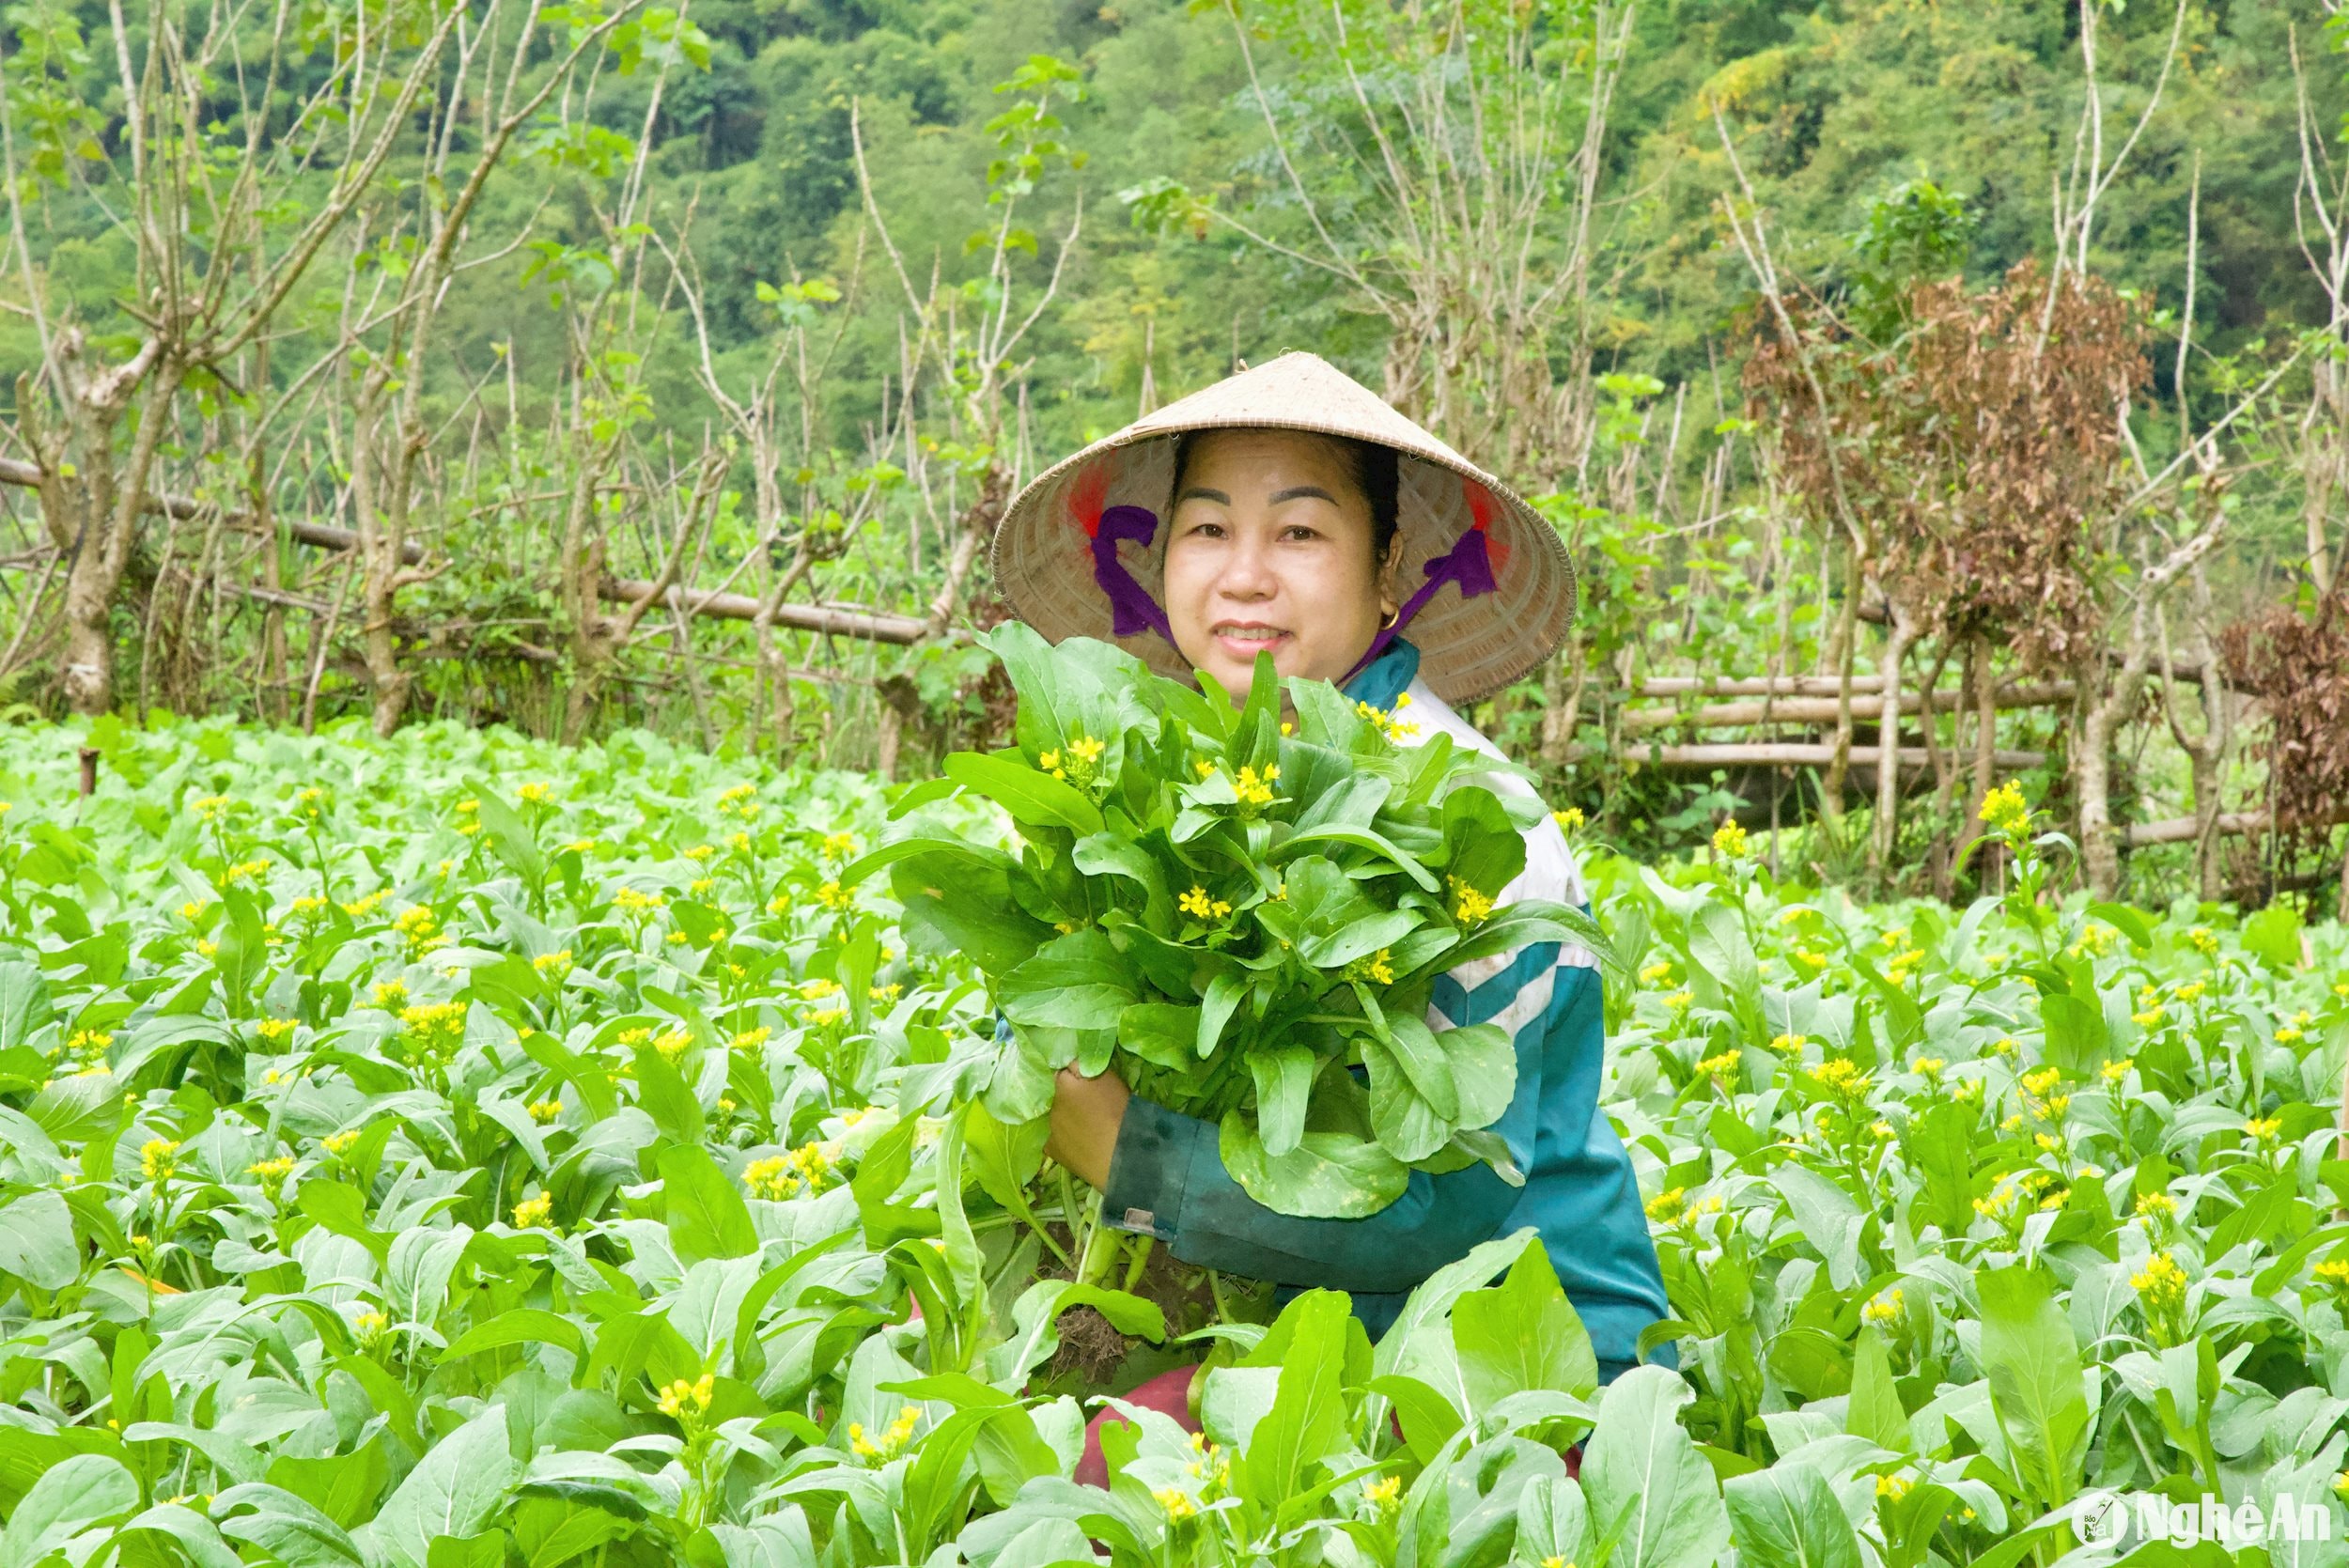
(1270, 552)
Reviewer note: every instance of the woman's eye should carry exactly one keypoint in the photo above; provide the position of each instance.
(1205, 531)
(1298, 532)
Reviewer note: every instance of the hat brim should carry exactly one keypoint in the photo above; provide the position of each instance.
(1469, 647)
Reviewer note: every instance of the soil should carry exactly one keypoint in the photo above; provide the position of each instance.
(1092, 1351)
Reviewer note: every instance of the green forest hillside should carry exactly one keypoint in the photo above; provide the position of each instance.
(586, 365)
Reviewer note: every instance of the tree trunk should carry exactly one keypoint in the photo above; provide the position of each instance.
(1885, 838)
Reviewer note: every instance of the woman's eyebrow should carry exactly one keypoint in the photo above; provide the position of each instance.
(1296, 493)
(1204, 494)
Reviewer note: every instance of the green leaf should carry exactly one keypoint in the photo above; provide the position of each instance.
(1522, 1335)
(509, 838)
(2273, 937)
(23, 999)
(2033, 1366)
(454, 1490)
(70, 1497)
(706, 1213)
(518, 1325)
(36, 1242)
(1329, 1175)
(1874, 1411)
(1031, 797)
(1421, 1055)
(1078, 982)
(1308, 1411)
(1787, 1517)
(1283, 1075)
(1645, 1482)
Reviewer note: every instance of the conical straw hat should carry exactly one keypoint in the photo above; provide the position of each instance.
(1470, 646)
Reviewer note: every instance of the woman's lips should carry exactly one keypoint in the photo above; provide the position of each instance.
(1244, 647)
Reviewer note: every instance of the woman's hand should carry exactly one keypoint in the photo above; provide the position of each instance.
(1086, 1114)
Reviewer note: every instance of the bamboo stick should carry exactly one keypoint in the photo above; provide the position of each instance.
(2184, 830)
(1774, 754)
(1821, 711)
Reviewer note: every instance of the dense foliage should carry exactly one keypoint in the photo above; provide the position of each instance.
(1238, 914)
(455, 1150)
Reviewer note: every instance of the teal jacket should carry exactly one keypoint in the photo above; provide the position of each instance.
(1168, 1180)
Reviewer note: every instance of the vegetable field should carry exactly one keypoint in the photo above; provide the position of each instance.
(453, 1151)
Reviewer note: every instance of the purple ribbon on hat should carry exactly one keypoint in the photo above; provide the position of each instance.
(1468, 563)
(1132, 608)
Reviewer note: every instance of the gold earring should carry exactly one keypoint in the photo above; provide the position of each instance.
(1392, 615)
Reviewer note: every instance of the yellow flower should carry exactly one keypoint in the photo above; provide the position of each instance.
(2113, 1072)
(684, 1401)
(1679, 999)
(831, 896)
(2042, 1080)
(2203, 941)
(2005, 810)
(340, 1142)
(370, 1324)
(207, 949)
(2158, 1205)
(750, 1039)
(2161, 1283)
(1379, 967)
(553, 965)
(1810, 959)
(1729, 841)
(1666, 1207)
(158, 1157)
(808, 1169)
(534, 794)
(1892, 1488)
(673, 1044)
(701, 852)
(545, 1111)
(1176, 1502)
(1383, 1494)
(779, 904)
(2265, 1128)
(1568, 820)
(891, 1442)
(2334, 1273)
(1838, 1075)
(1469, 906)
(1928, 1067)
(1394, 728)
(1086, 750)
(533, 1212)
(1656, 974)
(2192, 990)
(272, 1172)
(1256, 789)
(1197, 903)
(1787, 1045)
(1884, 1309)
(2288, 1036)
(2000, 1203)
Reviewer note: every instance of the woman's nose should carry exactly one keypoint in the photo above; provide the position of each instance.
(1246, 574)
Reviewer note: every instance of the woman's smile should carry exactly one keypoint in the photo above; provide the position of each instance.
(1244, 640)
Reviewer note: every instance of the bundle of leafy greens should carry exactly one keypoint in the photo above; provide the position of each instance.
(1243, 918)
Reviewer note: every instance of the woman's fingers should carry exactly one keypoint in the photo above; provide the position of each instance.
(1088, 1114)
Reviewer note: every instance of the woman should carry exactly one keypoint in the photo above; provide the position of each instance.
(1307, 519)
